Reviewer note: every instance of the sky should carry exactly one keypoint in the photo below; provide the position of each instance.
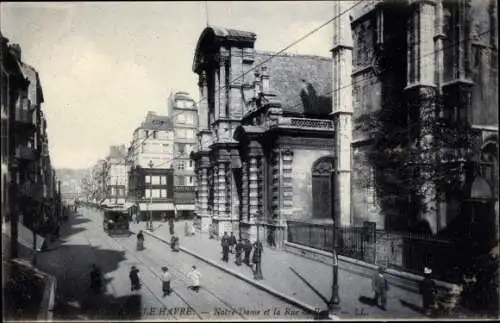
(104, 65)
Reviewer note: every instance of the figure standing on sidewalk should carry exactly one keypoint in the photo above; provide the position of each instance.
(428, 291)
(256, 259)
(380, 288)
(174, 243)
(225, 247)
(270, 237)
(211, 231)
(140, 240)
(171, 225)
(134, 279)
(96, 279)
(248, 249)
(165, 280)
(238, 249)
(232, 242)
(194, 279)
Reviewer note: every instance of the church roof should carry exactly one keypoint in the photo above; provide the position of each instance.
(233, 34)
(303, 83)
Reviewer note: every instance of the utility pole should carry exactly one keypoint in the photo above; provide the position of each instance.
(150, 223)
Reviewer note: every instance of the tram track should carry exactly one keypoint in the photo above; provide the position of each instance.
(176, 273)
(143, 283)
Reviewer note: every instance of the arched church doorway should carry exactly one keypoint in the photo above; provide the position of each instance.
(322, 197)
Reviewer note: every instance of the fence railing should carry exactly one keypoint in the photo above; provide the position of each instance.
(399, 250)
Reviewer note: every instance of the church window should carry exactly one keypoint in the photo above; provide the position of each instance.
(322, 188)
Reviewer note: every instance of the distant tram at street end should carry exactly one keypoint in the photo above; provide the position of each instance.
(116, 220)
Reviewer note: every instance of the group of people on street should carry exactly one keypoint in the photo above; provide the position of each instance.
(427, 288)
(229, 244)
(193, 279)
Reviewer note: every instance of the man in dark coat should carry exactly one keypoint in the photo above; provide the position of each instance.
(232, 242)
(380, 287)
(428, 291)
(248, 250)
(171, 225)
(238, 249)
(95, 279)
(256, 259)
(134, 278)
(225, 247)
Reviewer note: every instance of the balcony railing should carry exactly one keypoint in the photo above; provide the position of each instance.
(302, 123)
(25, 153)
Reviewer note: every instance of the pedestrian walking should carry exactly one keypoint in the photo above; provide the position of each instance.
(194, 279)
(211, 231)
(95, 279)
(171, 225)
(134, 279)
(140, 240)
(165, 280)
(232, 242)
(225, 247)
(174, 243)
(247, 248)
(256, 259)
(380, 288)
(428, 291)
(238, 249)
(270, 237)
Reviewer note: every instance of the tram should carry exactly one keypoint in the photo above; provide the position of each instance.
(116, 220)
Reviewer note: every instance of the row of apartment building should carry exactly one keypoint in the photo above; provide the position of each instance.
(154, 175)
(30, 190)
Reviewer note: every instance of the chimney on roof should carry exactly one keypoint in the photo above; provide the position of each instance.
(16, 49)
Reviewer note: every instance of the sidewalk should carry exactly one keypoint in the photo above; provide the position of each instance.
(354, 290)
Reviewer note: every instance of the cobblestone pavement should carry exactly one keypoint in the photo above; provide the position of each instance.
(221, 297)
(354, 289)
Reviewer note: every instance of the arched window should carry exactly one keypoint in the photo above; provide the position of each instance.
(322, 188)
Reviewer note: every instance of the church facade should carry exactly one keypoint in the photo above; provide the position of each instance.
(398, 128)
(266, 138)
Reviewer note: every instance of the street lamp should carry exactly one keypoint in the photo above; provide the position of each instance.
(150, 222)
(334, 303)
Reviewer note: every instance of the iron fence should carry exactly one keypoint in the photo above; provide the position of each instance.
(400, 250)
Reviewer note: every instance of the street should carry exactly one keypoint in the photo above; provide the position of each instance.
(83, 242)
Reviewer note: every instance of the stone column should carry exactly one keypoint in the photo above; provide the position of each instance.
(215, 188)
(245, 192)
(253, 188)
(203, 193)
(223, 88)
(275, 203)
(342, 113)
(286, 196)
(222, 189)
(203, 104)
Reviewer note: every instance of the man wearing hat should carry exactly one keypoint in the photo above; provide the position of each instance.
(380, 287)
(428, 291)
(166, 277)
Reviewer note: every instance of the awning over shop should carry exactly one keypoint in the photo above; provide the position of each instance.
(156, 207)
(128, 205)
(185, 207)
